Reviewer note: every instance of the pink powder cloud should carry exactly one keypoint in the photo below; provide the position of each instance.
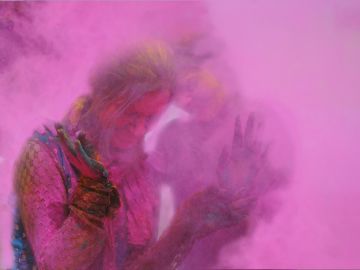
(297, 59)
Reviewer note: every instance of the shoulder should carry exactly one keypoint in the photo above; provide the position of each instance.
(36, 164)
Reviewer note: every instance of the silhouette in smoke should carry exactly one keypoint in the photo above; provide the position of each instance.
(86, 198)
(192, 155)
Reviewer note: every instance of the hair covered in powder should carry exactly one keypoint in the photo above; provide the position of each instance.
(119, 83)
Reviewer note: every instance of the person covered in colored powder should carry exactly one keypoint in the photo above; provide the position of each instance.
(188, 152)
(85, 198)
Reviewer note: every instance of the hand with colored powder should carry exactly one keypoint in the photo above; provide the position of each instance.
(95, 197)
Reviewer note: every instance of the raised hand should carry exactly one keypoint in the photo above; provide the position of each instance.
(240, 175)
(241, 169)
(94, 196)
(83, 161)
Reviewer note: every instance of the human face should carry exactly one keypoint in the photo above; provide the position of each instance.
(201, 102)
(131, 127)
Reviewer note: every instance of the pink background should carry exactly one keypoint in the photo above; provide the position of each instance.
(301, 58)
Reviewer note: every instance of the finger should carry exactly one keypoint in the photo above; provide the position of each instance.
(58, 126)
(238, 215)
(81, 137)
(238, 136)
(222, 170)
(95, 198)
(237, 142)
(64, 138)
(94, 167)
(249, 130)
(243, 203)
(86, 144)
(265, 152)
(90, 184)
(114, 198)
(237, 194)
(68, 146)
(223, 159)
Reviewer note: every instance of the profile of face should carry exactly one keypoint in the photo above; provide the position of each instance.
(202, 103)
(131, 126)
(202, 98)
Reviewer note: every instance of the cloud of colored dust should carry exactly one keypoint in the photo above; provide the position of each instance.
(294, 63)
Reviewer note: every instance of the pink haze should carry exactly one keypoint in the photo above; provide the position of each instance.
(296, 62)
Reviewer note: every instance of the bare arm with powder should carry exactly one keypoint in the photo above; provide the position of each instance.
(214, 208)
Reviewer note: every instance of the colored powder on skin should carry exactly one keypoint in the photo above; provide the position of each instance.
(295, 63)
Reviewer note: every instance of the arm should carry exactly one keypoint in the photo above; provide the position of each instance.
(202, 214)
(60, 238)
(168, 252)
(214, 208)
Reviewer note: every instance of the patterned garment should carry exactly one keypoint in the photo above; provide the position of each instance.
(24, 258)
(57, 238)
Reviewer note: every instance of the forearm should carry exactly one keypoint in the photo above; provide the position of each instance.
(168, 252)
(202, 214)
